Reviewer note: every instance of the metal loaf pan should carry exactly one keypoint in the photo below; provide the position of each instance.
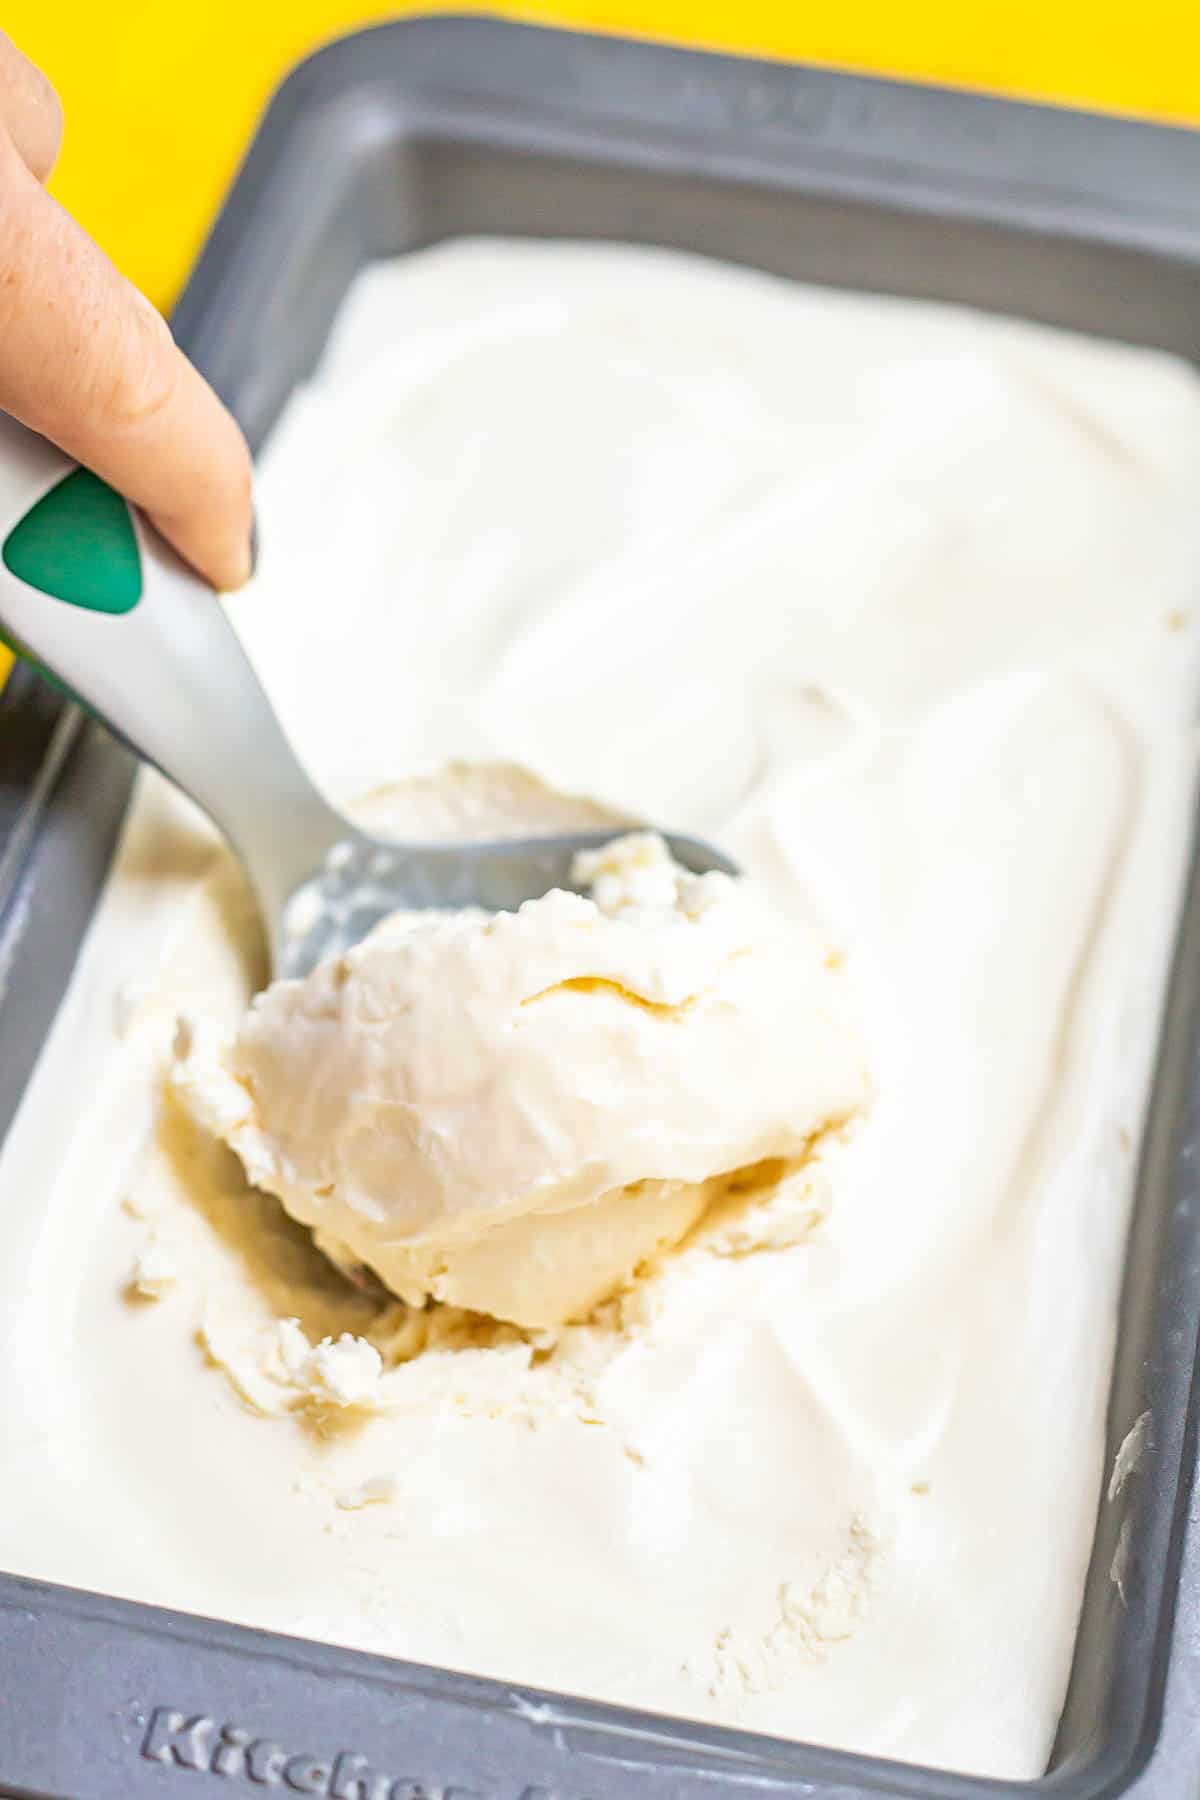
(397, 138)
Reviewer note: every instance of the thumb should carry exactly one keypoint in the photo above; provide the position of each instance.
(89, 363)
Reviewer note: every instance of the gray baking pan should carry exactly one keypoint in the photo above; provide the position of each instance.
(397, 138)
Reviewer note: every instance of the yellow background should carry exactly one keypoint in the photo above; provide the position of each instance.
(161, 98)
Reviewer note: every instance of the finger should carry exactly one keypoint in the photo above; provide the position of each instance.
(85, 360)
(29, 109)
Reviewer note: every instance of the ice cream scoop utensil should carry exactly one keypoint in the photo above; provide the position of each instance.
(90, 593)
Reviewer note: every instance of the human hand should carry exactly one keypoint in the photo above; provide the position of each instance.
(88, 362)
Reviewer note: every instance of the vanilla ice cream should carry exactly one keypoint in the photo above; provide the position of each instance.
(513, 1113)
(897, 603)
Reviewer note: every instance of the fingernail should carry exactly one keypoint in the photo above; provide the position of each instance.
(247, 561)
(250, 563)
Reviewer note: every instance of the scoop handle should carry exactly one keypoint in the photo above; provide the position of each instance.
(93, 596)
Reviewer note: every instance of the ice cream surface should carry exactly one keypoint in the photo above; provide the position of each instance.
(898, 604)
(513, 1113)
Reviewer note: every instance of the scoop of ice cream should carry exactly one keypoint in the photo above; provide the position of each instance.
(511, 1112)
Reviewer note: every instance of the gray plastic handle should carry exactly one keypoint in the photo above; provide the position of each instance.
(170, 678)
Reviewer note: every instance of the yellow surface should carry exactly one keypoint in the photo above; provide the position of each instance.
(161, 98)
